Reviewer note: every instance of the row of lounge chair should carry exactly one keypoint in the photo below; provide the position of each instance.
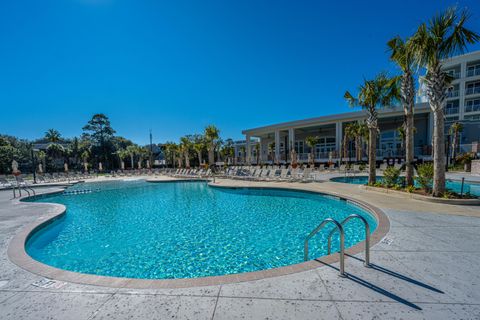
(271, 174)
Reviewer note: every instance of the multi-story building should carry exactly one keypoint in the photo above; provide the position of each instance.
(463, 104)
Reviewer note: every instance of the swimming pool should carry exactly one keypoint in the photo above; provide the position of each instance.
(137, 229)
(456, 186)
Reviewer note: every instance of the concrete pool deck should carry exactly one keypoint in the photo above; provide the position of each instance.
(427, 266)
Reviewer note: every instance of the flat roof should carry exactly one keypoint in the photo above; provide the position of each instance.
(330, 119)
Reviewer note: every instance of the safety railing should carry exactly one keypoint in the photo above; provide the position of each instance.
(367, 236)
(342, 242)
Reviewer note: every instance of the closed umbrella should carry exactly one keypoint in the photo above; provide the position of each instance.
(40, 168)
(14, 167)
(122, 164)
(139, 164)
(148, 164)
(65, 167)
(100, 167)
(85, 166)
(293, 156)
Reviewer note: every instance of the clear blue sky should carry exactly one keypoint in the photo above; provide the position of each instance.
(176, 66)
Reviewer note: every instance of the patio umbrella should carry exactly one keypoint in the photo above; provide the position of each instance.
(122, 164)
(65, 167)
(100, 166)
(14, 167)
(40, 168)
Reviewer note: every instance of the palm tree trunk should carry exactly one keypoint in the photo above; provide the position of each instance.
(438, 153)
(372, 155)
(131, 160)
(187, 160)
(454, 145)
(211, 155)
(409, 150)
(199, 153)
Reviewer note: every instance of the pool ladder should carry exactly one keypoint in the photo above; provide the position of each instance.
(339, 228)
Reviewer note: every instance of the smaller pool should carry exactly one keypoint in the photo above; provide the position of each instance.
(452, 185)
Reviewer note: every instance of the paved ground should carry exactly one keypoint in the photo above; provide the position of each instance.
(426, 268)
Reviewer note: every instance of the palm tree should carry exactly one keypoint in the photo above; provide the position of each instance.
(257, 152)
(122, 154)
(171, 152)
(243, 149)
(361, 133)
(212, 134)
(198, 146)
(444, 36)
(271, 150)
(373, 94)
(132, 151)
(53, 136)
(311, 143)
(185, 147)
(455, 129)
(348, 134)
(402, 55)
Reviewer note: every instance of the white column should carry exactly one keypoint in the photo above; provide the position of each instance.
(291, 139)
(247, 149)
(260, 150)
(338, 137)
(277, 145)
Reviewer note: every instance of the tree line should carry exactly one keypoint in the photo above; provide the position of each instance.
(98, 147)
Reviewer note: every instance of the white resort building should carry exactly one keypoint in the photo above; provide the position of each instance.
(276, 141)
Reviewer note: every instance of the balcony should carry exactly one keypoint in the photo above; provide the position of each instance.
(475, 71)
(453, 93)
(472, 107)
(454, 74)
(473, 90)
(453, 110)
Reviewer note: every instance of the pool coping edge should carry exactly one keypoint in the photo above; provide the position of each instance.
(17, 253)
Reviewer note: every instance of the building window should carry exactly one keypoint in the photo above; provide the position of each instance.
(324, 146)
(472, 105)
(452, 107)
(472, 117)
(473, 88)
(299, 147)
(473, 70)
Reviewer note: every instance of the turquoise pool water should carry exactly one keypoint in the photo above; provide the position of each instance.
(456, 186)
(137, 229)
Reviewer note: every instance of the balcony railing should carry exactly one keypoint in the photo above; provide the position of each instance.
(473, 72)
(472, 108)
(453, 93)
(474, 90)
(454, 74)
(451, 110)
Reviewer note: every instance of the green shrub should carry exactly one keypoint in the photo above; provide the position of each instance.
(397, 187)
(425, 175)
(410, 189)
(390, 176)
(377, 184)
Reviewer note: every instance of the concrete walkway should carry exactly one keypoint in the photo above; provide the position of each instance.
(426, 268)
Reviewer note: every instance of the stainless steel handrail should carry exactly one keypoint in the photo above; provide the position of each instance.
(367, 237)
(342, 242)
